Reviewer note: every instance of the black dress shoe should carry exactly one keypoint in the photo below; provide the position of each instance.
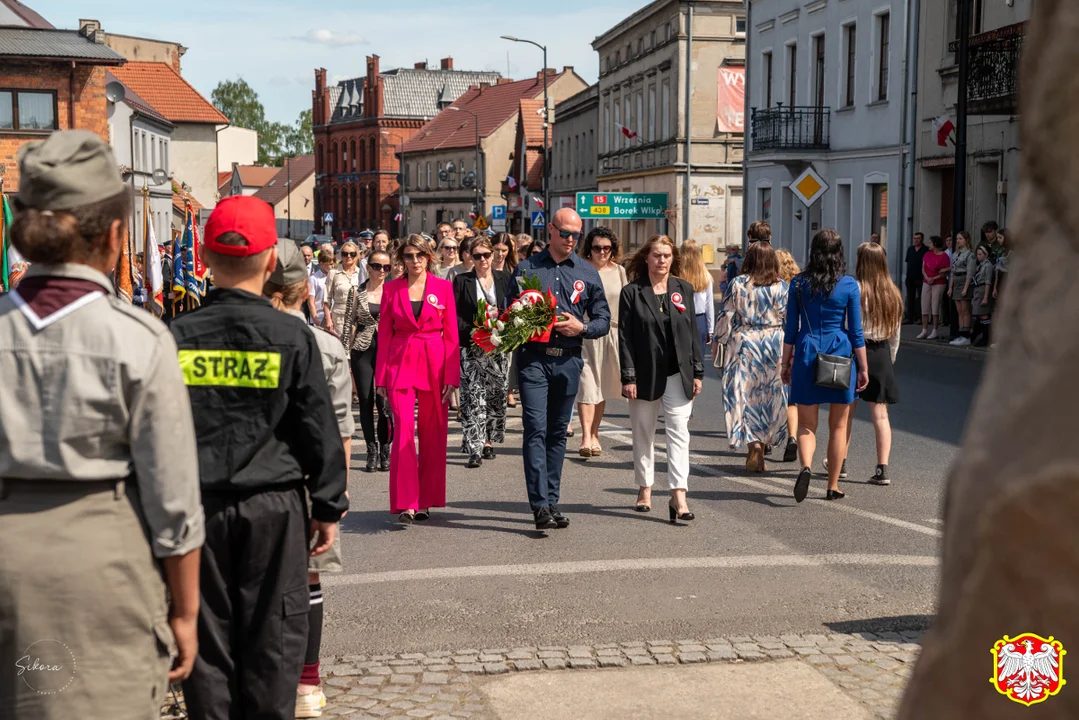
(474, 461)
(544, 521)
(488, 453)
(790, 454)
(422, 515)
(801, 485)
(835, 495)
(561, 520)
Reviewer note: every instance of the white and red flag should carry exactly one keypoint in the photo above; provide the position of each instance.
(631, 134)
(943, 127)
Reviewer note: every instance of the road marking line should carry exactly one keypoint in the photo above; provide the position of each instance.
(699, 465)
(629, 565)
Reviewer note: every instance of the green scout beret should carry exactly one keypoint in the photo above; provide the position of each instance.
(69, 169)
(291, 267)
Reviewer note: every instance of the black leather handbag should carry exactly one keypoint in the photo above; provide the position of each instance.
(829, 371)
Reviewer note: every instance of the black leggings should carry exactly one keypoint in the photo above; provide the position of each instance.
(363, 370)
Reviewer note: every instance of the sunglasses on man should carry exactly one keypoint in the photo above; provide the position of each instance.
(567, 234)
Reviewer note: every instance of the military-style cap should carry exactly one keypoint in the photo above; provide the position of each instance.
(291, 267)
(69, 169)
(248, 216)
(366, 235)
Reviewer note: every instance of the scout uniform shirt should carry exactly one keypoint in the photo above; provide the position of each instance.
(263, 414)
(86, 396)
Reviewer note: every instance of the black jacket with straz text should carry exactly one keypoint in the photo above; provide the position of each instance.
(261, 405)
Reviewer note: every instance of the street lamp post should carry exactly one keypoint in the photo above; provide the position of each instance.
(476, 185)
(546, 126)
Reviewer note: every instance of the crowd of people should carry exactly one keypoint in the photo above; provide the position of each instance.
(225, 435)
(956, 282)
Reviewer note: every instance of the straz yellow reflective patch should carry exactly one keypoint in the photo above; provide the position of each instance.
(231, 368)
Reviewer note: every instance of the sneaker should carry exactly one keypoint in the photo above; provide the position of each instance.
(957, 341)
(923, 335)
(310, 705)
(880, 477)
(962, 342)
(842, 468)
(932, 336)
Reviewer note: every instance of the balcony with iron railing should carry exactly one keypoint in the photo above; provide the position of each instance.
(993, 70)
(790, 128)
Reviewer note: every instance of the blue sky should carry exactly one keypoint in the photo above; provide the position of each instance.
(276, 45)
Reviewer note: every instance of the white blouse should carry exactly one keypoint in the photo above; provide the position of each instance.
(704, 304)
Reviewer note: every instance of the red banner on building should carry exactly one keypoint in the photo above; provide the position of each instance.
(731, 94)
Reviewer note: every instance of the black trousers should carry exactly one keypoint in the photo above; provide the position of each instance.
(363, 372)
(914, 300)
(254, 607)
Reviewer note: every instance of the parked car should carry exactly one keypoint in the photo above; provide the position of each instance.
(316, 240)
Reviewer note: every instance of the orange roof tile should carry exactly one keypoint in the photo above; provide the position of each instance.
(532, 121)
(493, 105)
(256, 176)
(172, 96)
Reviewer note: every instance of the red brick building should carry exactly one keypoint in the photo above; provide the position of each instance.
(49, 80)
(360, 123)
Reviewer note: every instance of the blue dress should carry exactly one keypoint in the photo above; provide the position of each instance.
(836, 323)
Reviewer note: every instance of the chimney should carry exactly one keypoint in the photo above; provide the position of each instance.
(484, 86)
(89, 28)
(447, 63)
(420, 65)
(504, 81)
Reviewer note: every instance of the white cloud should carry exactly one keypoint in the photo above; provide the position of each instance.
(329, 37)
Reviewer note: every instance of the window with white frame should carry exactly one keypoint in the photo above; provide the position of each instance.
(850, 61)
(766, 79)
(665, 109)
(606, 127)
(652, 113)
(792, 74)
(617, 121)
(883, 42)
(639, 121)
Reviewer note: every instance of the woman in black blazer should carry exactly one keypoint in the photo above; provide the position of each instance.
(660, 352)
(484, 378)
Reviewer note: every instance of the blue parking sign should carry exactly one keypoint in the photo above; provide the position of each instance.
(538, 219)
(498, 212)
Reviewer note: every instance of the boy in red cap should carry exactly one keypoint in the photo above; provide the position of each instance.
(265, 428)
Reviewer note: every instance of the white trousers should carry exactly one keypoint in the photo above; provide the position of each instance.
(643, 415)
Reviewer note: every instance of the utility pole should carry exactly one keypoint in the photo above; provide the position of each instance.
(959, 204)
(288, 195)
(688, 191)
(546, 130)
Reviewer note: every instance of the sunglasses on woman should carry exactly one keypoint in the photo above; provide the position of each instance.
(481, 256)
(602, 248)
(414, 257)
(349, 254)
(380, 267)
(449, 248)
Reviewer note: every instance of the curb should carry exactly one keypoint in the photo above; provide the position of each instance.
(930, 347)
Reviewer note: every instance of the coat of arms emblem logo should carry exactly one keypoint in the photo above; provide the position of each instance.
(1028, 668)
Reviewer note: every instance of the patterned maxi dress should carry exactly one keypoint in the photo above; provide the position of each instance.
(751, 327)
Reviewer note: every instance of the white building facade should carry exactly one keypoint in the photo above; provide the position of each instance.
(827, 88)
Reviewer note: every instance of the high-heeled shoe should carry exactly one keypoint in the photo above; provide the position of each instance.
(835, 495)
(801, 485)
(675, 516)
(643, 505)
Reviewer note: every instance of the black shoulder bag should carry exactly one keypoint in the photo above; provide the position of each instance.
(830, 371)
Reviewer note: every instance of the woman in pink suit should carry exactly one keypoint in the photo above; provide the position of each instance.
(418, 358)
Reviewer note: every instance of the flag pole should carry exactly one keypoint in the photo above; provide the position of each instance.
(3, 236)
(147, 291)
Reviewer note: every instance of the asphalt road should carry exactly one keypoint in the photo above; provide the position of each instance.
(477, 575)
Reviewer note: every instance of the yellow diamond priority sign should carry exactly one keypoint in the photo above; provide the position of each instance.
(809, 187)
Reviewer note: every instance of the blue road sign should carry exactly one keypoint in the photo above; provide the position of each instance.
(327, 217)
(498, 212)
(538, 219)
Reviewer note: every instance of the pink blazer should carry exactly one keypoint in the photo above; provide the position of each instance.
(422, 353)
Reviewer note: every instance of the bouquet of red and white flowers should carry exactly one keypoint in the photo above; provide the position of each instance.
(528, 319)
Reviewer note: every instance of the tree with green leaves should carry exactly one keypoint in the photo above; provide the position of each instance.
(239, 102)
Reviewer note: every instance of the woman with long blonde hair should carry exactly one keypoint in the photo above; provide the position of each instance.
(788, 268)
(882, 316)
(704, 303)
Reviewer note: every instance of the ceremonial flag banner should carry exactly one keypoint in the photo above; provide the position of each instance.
(5, 242)
(191, 265)
(125, 278)
(155, 281)
(178, 287)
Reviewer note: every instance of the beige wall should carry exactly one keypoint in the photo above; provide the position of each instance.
(574, 143)
(237, 145)
(656, 161)
(193, 156)
(300, 191)
(993, 145)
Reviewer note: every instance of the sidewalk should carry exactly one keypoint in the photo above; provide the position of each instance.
(908, 338)
(803, 677)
